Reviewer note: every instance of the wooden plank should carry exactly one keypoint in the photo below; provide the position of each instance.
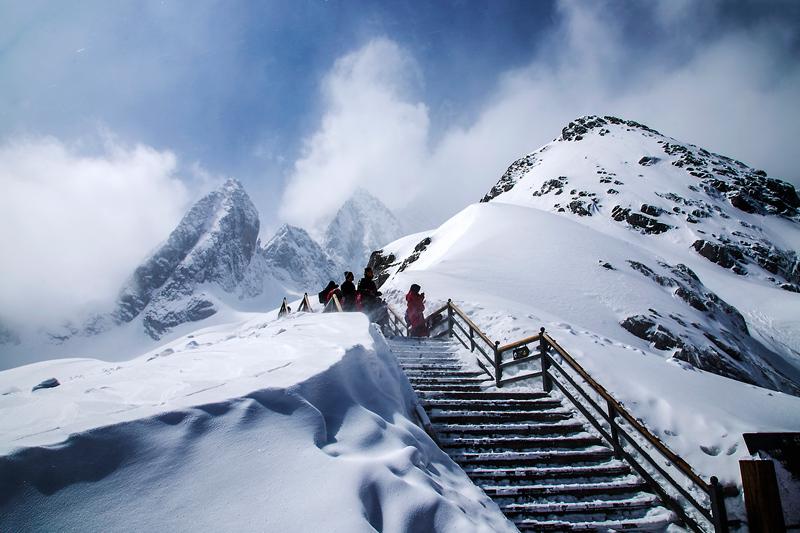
(522, 342)
(762, 498)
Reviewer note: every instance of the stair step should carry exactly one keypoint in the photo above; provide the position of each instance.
(448, 380)
(489, 406)
(572, 489)
(489, 395)
(497, 430)
(416, 364)
(589, 507)
(657, 522)
(519, 443)
(478, 417)
(430, 361)
(444, 373)
(487, 459)
(439, 387)
(489, 475)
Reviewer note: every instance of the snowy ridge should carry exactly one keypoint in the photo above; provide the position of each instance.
(232, 427)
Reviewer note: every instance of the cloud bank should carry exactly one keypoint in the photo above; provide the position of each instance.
(73, 226)
(733, 92)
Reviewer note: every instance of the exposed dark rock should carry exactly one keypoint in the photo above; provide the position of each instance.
(651, 210)
(548, 186)
(46, 384)
(649, 161)
(723, 255)
(720, 342)
(639, 221)
(418, 249)
(380, 265)
(159, 321)
(514, 172)
(606, 265)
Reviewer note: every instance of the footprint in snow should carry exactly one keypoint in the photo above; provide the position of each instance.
(711, 450)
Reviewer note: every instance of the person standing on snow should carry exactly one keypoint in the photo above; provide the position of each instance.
(348, 292)
(415, 314)
(368, 290)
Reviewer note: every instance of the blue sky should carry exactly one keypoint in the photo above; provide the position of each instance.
(423, 103)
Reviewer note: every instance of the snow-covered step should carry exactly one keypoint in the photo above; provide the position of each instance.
(441, 387)
(519, 443)
(640, 501)
(576, 490)
(480, 417)
(509, 460)
(488, 395)
(448, 380)
(564, 474)
(655, 522)
(424, 366)
(490, 405)
(438, 372)
(469, 430)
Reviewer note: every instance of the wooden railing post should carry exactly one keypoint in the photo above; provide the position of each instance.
(612, 419)
(718, 506)
(450, 318)
(498, 364)
(471, 339)
(547, 384)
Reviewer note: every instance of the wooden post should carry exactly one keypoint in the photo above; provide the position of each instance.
(498, 362)
(471, 339)
(761, 496)
(612, 418)
(450, 319)
(547, 384)
(718, 511)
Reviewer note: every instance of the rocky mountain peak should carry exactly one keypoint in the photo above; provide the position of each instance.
(212, 244)
(361, 225)
(608, 168)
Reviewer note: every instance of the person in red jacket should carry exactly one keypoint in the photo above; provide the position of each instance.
(415, 314)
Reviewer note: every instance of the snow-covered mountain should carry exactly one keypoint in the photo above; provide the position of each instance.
(361, 225)
(293, 261)
(708, 243)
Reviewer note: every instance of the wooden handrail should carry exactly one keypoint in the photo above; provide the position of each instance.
(471, 324)
(682, 465)
(517, 344)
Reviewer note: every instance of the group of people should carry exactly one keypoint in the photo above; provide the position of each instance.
(367, 299)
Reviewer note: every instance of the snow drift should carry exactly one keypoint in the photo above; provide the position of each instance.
(302, 423)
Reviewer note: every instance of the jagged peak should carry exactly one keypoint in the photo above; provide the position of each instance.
(581, 126)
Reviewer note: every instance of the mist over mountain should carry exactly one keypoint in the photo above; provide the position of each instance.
(361, 225)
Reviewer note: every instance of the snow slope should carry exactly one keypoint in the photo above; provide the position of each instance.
(658, 324)
(297, 424)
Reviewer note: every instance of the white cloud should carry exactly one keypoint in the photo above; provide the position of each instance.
(73, 226)
(734, 93)
(371, 135)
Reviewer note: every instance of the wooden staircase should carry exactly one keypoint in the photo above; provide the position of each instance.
(542, 465)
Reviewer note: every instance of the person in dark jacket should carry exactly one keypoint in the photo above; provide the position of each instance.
(348, 292)
(368, 290)
(415, 314)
